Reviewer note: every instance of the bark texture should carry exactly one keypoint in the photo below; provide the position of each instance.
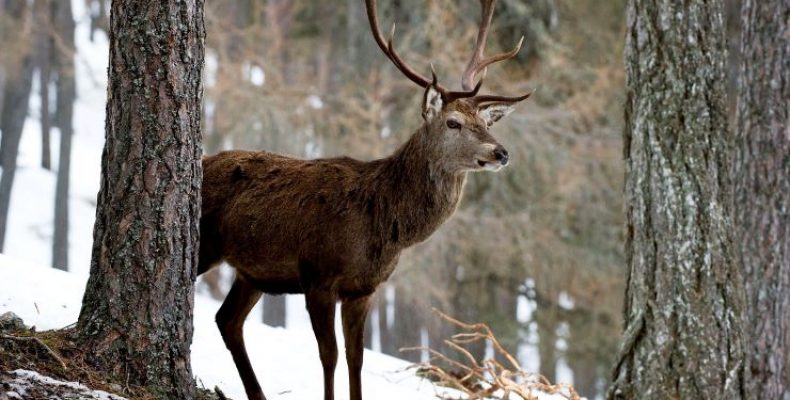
(684, 297)
(136, 317)
(63, 24)
(761, 176)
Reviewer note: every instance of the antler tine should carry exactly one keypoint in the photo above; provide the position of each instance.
(388, 49)
(505, 99)
(478, 63)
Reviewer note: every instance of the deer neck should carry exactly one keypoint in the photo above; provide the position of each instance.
(416, 194)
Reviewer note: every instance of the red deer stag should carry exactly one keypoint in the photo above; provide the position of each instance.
(333, 228)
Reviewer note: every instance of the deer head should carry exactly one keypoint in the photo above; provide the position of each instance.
(457, 122)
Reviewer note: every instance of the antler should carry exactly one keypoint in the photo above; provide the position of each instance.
(478, 63)
(388, 49)
(475, 66)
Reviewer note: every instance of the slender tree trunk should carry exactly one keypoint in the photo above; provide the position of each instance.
(547, 320)
(684, 333)
(761, 175)
(44, 57)
(16, 95)
(274, 310)
(136, 317)
(63, 23)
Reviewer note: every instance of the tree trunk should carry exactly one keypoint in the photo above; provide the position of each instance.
(684, 333)
(761, 175)
(274, 310)
(136, 318)
(16, 96)
(63, 24)
(547, 320)
(44, 56)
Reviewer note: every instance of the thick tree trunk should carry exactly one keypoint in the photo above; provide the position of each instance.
(63, 23)
(761, 175)
(684, 334)
(136, 318)
(16, 95)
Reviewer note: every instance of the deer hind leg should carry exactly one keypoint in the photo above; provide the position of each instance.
(355, 312)
(230, 320)
(321, 307)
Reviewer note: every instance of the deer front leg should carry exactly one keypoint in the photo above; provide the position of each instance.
(354, 313)
(230, 320)
(321, 307)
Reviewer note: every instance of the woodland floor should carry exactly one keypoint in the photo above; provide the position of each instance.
(53, 354)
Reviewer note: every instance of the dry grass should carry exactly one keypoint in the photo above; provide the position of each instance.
(55, 354)
(488, 378)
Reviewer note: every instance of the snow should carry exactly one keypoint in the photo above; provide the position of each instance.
(285, 360)
(23, 379)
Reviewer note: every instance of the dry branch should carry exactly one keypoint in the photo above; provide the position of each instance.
(488, 378)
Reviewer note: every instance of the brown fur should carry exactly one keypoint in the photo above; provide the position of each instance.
(332, 228)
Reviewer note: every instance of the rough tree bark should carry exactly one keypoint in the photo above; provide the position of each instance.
(761, 176)
(684, 298)
(66, 92)
(16, 95)
(136, 317)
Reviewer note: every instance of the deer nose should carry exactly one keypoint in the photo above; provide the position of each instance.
(501, 155)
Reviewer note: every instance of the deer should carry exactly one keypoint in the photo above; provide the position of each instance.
(333, 228)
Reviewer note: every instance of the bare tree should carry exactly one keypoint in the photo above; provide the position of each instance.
(761, 175)
(43, 49)
(16, 95)
(136, 317)
(63, 26)
(684, 333)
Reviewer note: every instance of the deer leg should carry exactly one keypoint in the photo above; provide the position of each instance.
(354, 313)
(321, 307)
(230, 320)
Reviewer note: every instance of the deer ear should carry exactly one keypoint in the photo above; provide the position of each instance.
(493, 112)
(432, 103)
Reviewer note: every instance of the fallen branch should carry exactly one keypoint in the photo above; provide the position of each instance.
(484, 379)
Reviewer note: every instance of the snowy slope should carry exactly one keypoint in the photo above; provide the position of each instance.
(286, 361)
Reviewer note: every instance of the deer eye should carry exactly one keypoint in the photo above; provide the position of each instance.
(453, 124)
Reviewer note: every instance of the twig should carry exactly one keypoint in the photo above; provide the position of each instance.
(40, 343)
(483, 379)
(220, 395)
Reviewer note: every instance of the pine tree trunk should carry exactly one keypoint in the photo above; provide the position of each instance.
(761, 175)
(684, 334)
(136, 318)
(63, 23)
(16, 95)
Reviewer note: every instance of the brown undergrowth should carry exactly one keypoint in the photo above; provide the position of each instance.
(55, 354)
(497, 377)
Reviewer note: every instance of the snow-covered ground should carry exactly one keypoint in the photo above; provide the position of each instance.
(285, 360)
